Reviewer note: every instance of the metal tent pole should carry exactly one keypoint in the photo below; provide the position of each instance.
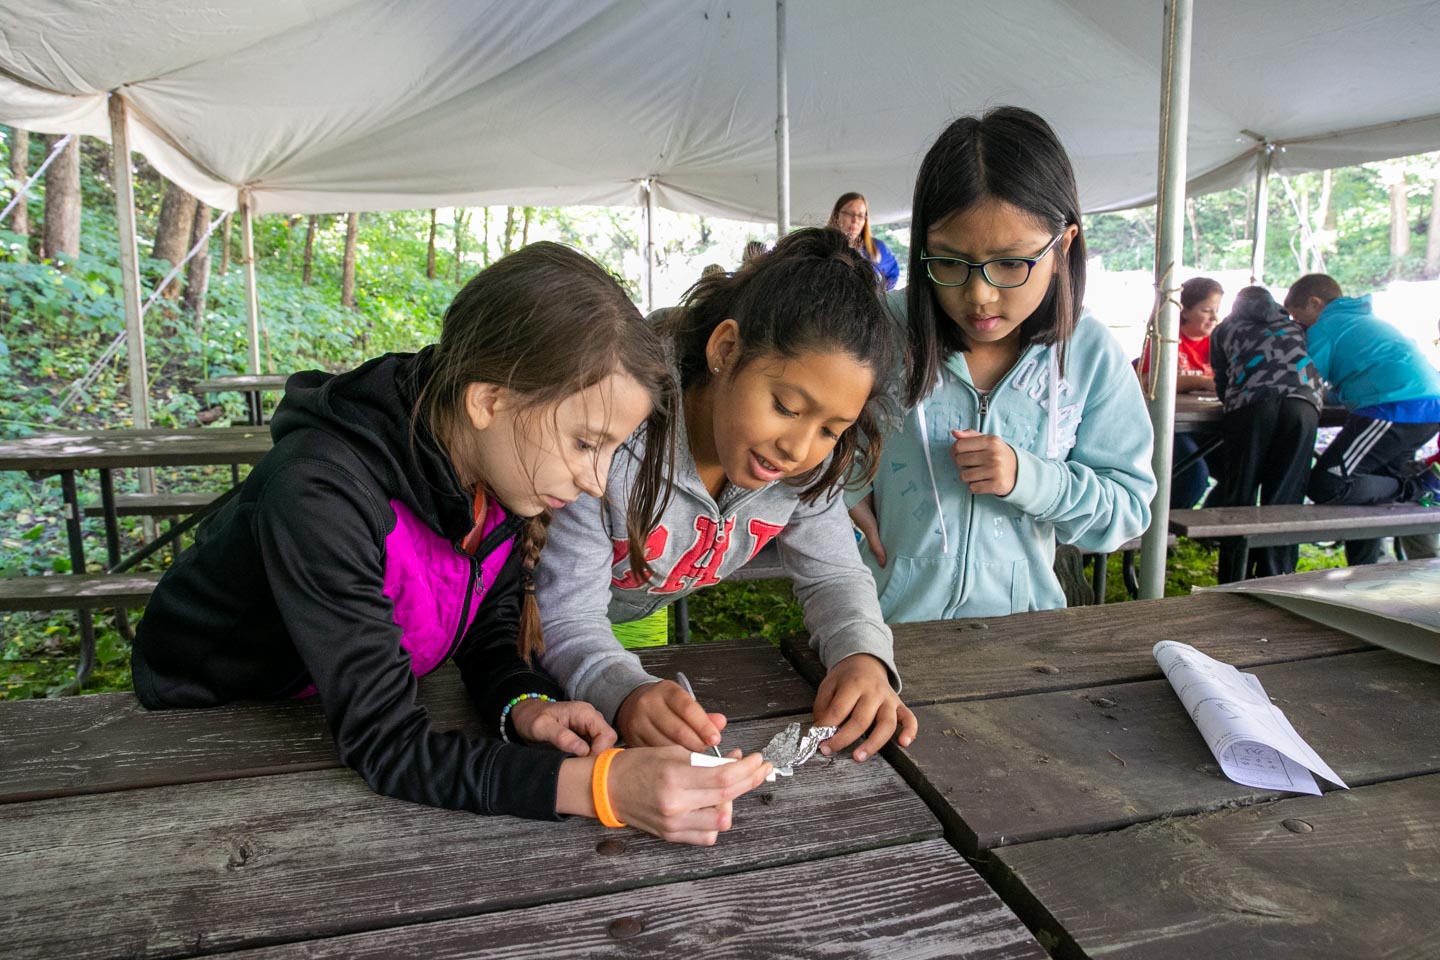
(1262, 211)
(1174, 127)
(649, 245)
(782, 126)
(129, 263)
(252, 294)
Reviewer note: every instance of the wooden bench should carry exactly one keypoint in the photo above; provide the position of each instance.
(155, 504)
(83, 591)
(1279, 526)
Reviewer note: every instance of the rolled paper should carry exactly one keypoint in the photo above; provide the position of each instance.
(705, 760)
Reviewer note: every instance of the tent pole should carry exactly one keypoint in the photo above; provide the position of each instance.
(130, 278)
(1170, 251)
(1262, 211)
(129, 263)
(649, 245)
(252, 295)
(782, 126)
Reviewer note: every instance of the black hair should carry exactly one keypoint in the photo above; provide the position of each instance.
(1008, 154)
(811, 292)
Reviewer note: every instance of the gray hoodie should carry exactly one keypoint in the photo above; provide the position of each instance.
(584, 582)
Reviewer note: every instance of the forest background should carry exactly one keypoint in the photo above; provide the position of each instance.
(336, 289)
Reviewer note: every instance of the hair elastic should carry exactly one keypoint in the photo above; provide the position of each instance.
(600, 787)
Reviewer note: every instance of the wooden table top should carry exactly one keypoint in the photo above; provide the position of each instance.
(181, 833)
(243, 383)
(1320, 518)
(1199, 414)
(1056, 754)
(113, 449)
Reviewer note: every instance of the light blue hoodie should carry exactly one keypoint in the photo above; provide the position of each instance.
(1082, 478)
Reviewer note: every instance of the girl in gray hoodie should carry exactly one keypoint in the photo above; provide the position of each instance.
(779, 368)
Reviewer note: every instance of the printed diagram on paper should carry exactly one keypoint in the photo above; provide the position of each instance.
(1250, 737)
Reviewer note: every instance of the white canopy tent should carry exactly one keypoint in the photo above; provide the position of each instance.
(330, 105)
(336, 105)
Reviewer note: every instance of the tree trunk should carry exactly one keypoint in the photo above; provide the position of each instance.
(430, 252)
(509, 231)
(197, 277)
(20, 170)
(1307, 245)
(310, 227)
(1399, 223)
(1432, 237)
(462, 230)
(1194, 233)
(525, 230)
(485, 242)
(62, 204)
(1324, 221)
(347, 276)
(172, 232)
(225, 243)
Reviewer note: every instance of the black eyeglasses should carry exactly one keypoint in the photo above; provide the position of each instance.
(1002, 272)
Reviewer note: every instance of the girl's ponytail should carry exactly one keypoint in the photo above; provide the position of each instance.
(531, 641)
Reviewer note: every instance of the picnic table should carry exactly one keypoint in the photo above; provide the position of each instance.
(252, 385)
(1063, 763)
(108, 450)
(235, 830)
(1201, 415)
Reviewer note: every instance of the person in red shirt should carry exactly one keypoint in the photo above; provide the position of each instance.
(1199, 312)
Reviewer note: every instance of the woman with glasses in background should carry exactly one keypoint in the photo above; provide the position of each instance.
(851, 216)
(1025, 425)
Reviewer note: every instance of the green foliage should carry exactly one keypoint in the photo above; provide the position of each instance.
(755, 608)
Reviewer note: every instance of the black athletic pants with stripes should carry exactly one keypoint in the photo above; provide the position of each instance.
(1369, 462)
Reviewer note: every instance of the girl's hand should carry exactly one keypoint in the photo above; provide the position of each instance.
(855, 695)
(656, 790)
(571, 726)
(986, 462)
(661, 714)
(863, 516)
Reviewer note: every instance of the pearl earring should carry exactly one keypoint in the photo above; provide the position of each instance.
(714, 369)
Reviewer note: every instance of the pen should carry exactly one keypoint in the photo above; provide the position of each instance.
(684, 682)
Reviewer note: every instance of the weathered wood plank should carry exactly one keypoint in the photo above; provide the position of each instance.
(180, 870)
(135, 448)
(915, 900)
(1086, 646)
(77, 591)
(1049, 765)
(1359, 879)
(106, 742)
(1323, 521)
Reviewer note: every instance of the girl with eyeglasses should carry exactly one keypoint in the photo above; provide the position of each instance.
(1024, 423)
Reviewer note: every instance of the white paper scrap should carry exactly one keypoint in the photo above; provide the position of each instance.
(710, 760)
(1249, 736)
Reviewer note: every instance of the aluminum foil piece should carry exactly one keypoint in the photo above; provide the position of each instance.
(789, 748)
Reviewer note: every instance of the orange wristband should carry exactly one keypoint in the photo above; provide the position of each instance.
(599, 788)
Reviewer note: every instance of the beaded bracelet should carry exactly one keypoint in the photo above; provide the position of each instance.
(505, 712)
(600, 787)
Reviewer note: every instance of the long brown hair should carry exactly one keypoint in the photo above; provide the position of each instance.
(812, 292)
(546, 322)
(866, 241)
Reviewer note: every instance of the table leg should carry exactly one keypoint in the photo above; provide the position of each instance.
(77, 565)
(1130, 575)
(112, 546)
(1099, 574)
(1202, 448)
(682, 620)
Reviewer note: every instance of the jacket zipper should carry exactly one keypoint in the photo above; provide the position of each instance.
(489, 545)
(984, 408)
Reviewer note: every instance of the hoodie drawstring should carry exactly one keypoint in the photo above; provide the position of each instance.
(930, 466)
(1052, 422)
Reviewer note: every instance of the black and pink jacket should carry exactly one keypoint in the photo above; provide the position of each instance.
(336, 570)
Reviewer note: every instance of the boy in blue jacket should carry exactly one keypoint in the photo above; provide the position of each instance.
(1392, 394)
